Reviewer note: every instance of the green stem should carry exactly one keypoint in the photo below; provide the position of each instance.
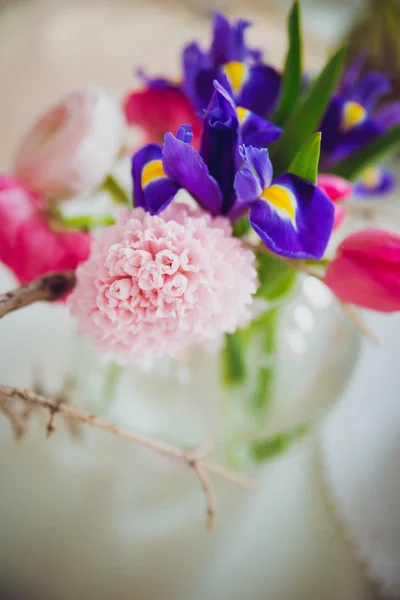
(261, 398)
(233, 360)
(87, 222)
(279, 443)
(111, 381)
(116, 191)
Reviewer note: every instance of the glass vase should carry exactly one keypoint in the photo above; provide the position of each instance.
(297, 366)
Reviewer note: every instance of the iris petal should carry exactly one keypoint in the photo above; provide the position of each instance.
(256, 165)
(228, 41)
(220, 143)
(307, 235)
(250, 181)
(185, 166)
(152, 190)
(257, 131)
(140, 159)
(260, 90)
(375, 181)
(369, 89)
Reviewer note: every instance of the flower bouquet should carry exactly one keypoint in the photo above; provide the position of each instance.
(182, 280)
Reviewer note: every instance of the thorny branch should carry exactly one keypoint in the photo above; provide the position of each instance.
(193, 459)
(50, 287)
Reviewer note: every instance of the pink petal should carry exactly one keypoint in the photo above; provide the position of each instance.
(336, 188)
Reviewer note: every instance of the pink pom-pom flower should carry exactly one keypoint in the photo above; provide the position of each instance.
(28, 246)
(155, 285)
(72, 147)
(366, 270)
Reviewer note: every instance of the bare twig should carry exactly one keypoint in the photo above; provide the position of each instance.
(208, 489)
(50, 287)
(194, 459)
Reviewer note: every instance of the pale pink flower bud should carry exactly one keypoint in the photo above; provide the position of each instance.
(366, 270)
(72, 147)
(154, 285)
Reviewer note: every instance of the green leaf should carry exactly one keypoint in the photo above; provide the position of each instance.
(277, 444)
(233, 360)
(307, 115)
(305, 163)
(352, 166)
(276, 277)
(291, 77)
(241, 227)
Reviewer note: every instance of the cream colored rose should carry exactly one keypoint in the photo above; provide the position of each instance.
(72, 147)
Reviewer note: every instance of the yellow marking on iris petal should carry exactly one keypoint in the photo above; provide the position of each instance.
(153, 170)
(353, 115)
(243, 114)
(281, 199)
(371, 177)
(236, 73)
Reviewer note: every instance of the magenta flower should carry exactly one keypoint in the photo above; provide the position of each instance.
(154, 285)
(28, 246)
(366, 270)
(337, 189)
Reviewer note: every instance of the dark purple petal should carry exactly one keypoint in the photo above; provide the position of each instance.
(250, 181)
(375, 181)
(156, 82)
(220, 144)
(204, 86)
(260, 90)
(239, 50)
(257, 131)
(185, 166)
(304, 231)
(354, 139)
(247, 185)
(139, 160)
(194, 61)
(158, 194)
(256, 166)
(369, 89)
(221, 47)
(389, 115)
(185, 134)
(351, 75)
(228, 41)
(330, 126)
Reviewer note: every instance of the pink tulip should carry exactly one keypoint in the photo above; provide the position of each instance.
(28, 246)
(72, 147)
(337, 189)
(366, 270)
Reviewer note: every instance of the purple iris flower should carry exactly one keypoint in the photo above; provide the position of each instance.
(374, 181)
(351, 119)
(292, 216)
(253, 85)
(159, 172)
